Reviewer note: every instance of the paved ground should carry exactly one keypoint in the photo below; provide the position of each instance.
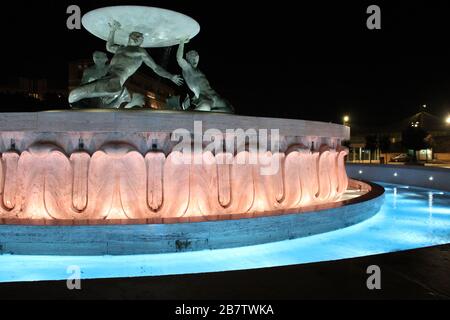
(418, 274)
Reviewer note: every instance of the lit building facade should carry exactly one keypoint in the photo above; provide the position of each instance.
(438, 129)
(38, 89)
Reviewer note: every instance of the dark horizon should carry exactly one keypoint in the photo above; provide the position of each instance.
(313, 62)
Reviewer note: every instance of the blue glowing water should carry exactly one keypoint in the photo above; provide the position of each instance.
(410, 218)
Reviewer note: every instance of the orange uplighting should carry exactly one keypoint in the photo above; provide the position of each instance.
(119, 183)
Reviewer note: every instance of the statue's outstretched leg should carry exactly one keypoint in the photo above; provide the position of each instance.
(98, 88)
(114, 101)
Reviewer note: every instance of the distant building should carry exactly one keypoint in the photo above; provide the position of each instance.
(154, 90)
(38, 89)
(436, 127)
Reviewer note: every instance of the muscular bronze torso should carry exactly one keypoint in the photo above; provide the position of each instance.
(126, 62)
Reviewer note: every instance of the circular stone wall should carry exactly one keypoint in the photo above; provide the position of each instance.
(96, 182)
(146, 167)
(178, 237)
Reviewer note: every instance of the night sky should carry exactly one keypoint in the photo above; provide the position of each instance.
(285, 59)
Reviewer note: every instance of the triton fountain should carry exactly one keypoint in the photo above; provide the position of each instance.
(96, 181)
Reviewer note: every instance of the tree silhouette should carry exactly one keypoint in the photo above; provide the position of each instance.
(384, 142)
(415, 138)
(371, 144)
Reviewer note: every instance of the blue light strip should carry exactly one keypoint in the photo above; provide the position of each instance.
(410, 218)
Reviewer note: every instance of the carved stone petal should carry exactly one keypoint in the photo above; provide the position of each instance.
(324, 177)
(102, 184)
(80, 164)
(176, 184)
(224, 162)
(155, 167)
(57, 185)
(242, 185)
(292, 187)
(341, 172)
(10, 161)
(132, 171)
(204, 194)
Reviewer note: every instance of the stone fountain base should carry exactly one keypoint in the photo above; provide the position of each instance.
(126, 167)
(178, 237)
(132, 182)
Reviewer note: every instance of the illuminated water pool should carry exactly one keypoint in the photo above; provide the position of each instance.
(410, 218)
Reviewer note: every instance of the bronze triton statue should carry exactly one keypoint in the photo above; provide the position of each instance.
(205, 97)
(125, 62)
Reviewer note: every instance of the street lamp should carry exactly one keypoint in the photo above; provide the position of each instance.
(346, 119)
(447, 121)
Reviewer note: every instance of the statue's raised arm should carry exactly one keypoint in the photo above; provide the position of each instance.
(110, 45)
(180, 55)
